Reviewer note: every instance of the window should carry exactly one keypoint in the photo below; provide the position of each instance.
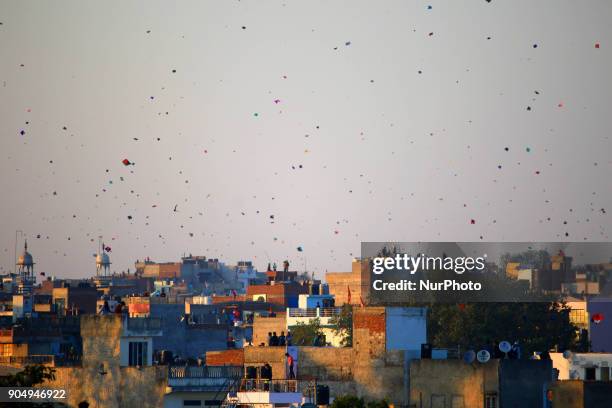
(578, 316)
(6, 350)
(192, 403)
(589, 374)
(137, 353)
(213, 403)
(491, 401)
(604, 373)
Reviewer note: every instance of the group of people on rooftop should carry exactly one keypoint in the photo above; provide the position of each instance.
(282, 340)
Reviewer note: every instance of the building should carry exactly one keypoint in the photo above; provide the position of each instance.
(319, 307)
(583, 366)
(200, 386)
(579, 394)
(496, 383)
(75, 299)
(350, 287)
(164, 270)
(281, 293)
(103, 379)
(600, 331)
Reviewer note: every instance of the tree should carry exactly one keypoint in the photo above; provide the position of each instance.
(30, 376)
(348, 401)
(537, 326)
(306, 334)
(343, 325)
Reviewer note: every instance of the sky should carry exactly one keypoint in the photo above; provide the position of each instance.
(255, 127)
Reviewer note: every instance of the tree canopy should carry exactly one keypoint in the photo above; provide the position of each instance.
(306, 334)
(343, 325)
(537, 326)
(30, 376)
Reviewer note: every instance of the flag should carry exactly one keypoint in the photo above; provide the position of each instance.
(348, 296)
(361, 302)
(234, 294)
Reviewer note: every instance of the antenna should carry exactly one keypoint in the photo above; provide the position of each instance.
(20, 234)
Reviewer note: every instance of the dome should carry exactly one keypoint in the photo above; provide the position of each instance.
(102, 259)
(25, 259)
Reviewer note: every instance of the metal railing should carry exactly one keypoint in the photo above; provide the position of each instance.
(314, 312)
(247, 385)
(143, 323)
(25, 360)
(205, 372)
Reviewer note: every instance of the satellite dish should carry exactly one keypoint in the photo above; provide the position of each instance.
(505, 346)
(567, 354)
(469, 356)
(483, 356)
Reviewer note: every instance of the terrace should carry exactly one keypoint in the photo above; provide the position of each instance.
(202, 378)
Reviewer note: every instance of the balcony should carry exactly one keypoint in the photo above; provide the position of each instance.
(324, 314)
(202, 378)
(41, 359)
(268, 392)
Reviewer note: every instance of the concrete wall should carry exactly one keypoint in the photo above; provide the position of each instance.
(568, 394)
(263, 325)
(580, 394)
(597, 394)
(406, 328)
(275, 356)
(437, 382)
(225, 357)
(523, 383)
(601, 334)
(574, 368)
(358, 280)
(186, 342)
(117, 387)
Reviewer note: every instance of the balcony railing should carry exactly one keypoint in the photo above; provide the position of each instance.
(314, 312)
(25, 360)
(42, 359)
(205, 372)
(143, 324)
(248, 385)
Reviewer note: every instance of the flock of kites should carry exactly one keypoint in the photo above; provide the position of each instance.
(128, 162)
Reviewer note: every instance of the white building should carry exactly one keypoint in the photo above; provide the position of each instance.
(308, 311)
(583, 366)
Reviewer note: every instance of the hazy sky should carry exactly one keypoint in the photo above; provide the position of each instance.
(399, 115)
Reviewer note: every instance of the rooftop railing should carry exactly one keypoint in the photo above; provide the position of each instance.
(205, 372)
(143, 324)
(249, 385)
(314, 312)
